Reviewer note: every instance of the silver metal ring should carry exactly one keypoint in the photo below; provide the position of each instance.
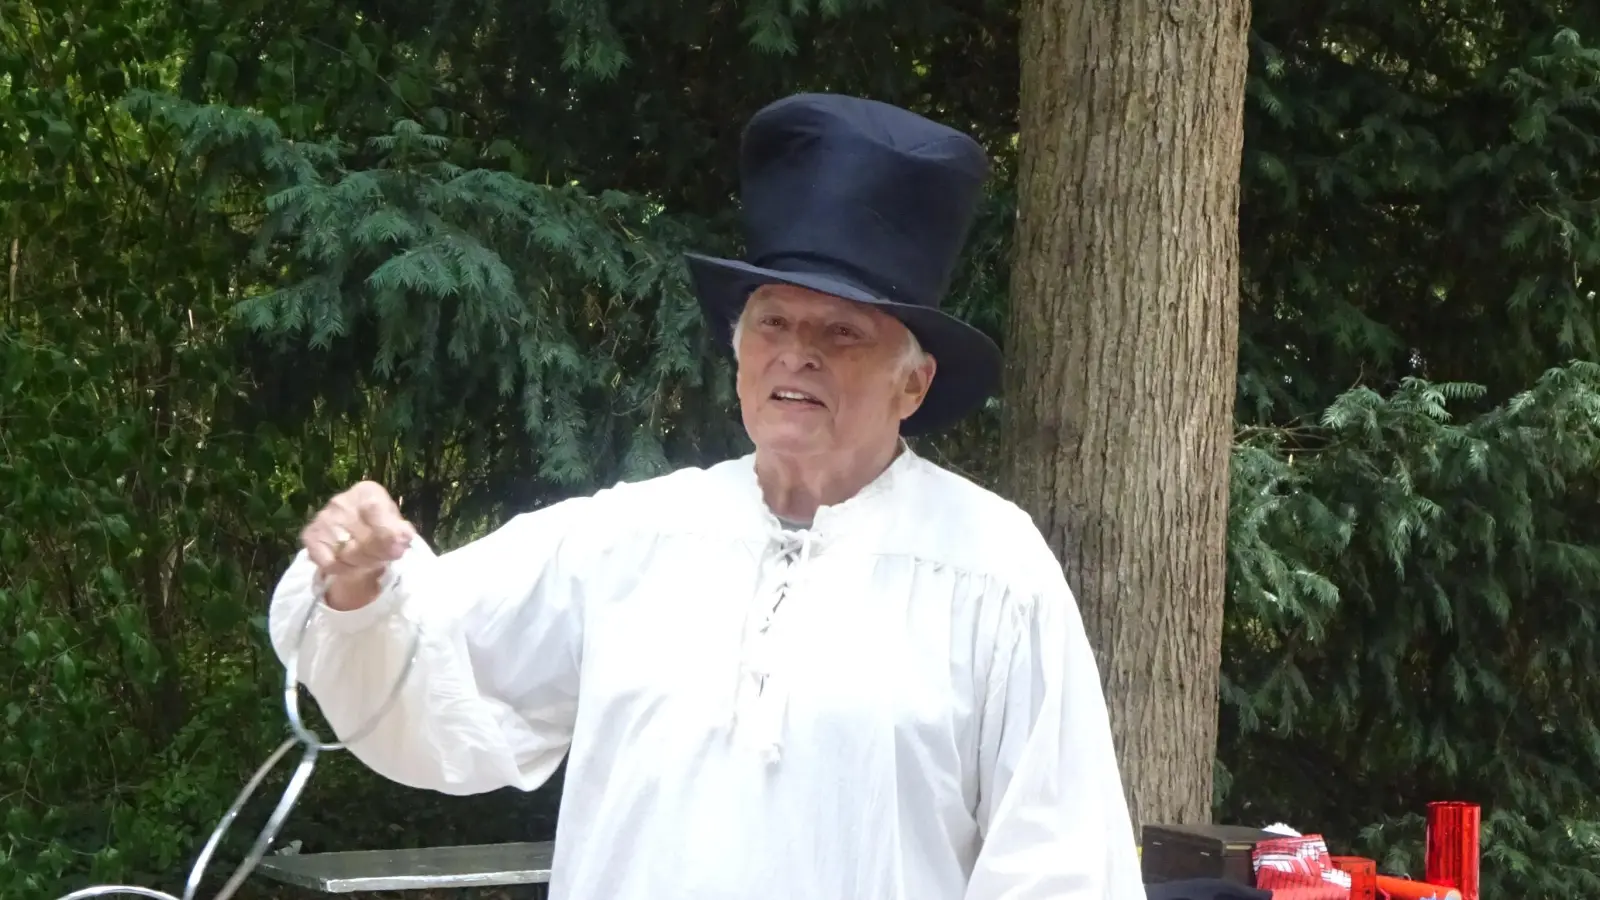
(304, 737)
(291, 690)
(113, 890)
(308, 761)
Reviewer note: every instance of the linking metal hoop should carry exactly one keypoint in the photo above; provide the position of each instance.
(304, 737)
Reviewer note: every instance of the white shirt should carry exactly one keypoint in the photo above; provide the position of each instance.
(898, 703)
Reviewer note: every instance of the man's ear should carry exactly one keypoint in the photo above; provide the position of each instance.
(918, 380)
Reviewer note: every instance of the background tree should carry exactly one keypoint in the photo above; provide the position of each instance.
(1123, 339)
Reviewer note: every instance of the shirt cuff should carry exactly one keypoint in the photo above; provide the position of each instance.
(349, 621)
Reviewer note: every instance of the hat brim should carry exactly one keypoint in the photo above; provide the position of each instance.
(969, 363)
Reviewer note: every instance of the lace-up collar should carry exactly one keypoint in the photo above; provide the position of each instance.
(830, 521)
(761, 697)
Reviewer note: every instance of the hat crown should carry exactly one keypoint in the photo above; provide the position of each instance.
(860, 190)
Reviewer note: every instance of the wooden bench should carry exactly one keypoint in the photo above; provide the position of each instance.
(430, 868)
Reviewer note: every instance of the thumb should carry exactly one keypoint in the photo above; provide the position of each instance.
(402, 535)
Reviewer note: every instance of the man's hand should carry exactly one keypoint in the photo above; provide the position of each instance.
(352, 539)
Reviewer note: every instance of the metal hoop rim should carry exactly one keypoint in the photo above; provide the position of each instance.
(112, 890)
(291, 683)
(203, 861)
(301, 735)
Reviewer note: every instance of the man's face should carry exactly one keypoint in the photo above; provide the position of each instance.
(818, 374)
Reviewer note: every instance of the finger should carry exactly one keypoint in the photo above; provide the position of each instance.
(380, 517)
(324, 547)
(328, 527)
(343, 509)
(363, 557)
(359, 532)
(317, 547)
(375, 547)
(351, 540)
(322, 538)
(339, 522)
(369, 499)
(390, 533)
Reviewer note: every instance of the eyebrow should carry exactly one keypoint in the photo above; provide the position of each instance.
(779, 305)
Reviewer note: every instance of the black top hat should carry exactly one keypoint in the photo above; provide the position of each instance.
(868, 202)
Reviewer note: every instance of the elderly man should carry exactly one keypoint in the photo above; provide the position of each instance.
(827, 671)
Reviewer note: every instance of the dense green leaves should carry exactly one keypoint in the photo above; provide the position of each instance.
(1414, 563)
(250, 253)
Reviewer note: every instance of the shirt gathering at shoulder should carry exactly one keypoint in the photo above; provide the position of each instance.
(917, 510)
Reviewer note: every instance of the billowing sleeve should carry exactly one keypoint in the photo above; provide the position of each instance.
(491, 699)
(1051, 809)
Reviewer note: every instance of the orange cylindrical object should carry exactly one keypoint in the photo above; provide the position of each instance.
(1452, 846)
(1404, 889)
(1363, 874)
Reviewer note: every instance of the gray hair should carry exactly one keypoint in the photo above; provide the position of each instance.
(911, 356)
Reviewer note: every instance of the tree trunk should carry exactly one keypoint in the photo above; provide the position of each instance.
(1123, 344)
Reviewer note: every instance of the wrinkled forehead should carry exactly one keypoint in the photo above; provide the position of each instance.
(799, 302)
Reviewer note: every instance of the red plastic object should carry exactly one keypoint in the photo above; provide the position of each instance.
(1453, 842)
(1298, 868)
(1363, 874)
(1405, 889)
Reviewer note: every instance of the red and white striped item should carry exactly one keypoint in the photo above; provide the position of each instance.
(1299, 868)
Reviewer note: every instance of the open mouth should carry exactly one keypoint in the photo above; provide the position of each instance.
(796, 398)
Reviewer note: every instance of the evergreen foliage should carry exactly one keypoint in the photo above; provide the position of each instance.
(1414, 562)
(249, 254)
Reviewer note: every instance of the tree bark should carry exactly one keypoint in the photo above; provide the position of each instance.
(1123, 348)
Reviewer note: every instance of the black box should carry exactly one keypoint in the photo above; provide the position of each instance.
(1177, 852)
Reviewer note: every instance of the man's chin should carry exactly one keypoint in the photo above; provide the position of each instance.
(790, 439)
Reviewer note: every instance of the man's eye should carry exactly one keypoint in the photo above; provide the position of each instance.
(846, 331)
(771, 321)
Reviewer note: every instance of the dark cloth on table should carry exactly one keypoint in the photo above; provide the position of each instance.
(1203, 889)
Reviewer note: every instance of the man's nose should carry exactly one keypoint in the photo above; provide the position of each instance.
(802, 348)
